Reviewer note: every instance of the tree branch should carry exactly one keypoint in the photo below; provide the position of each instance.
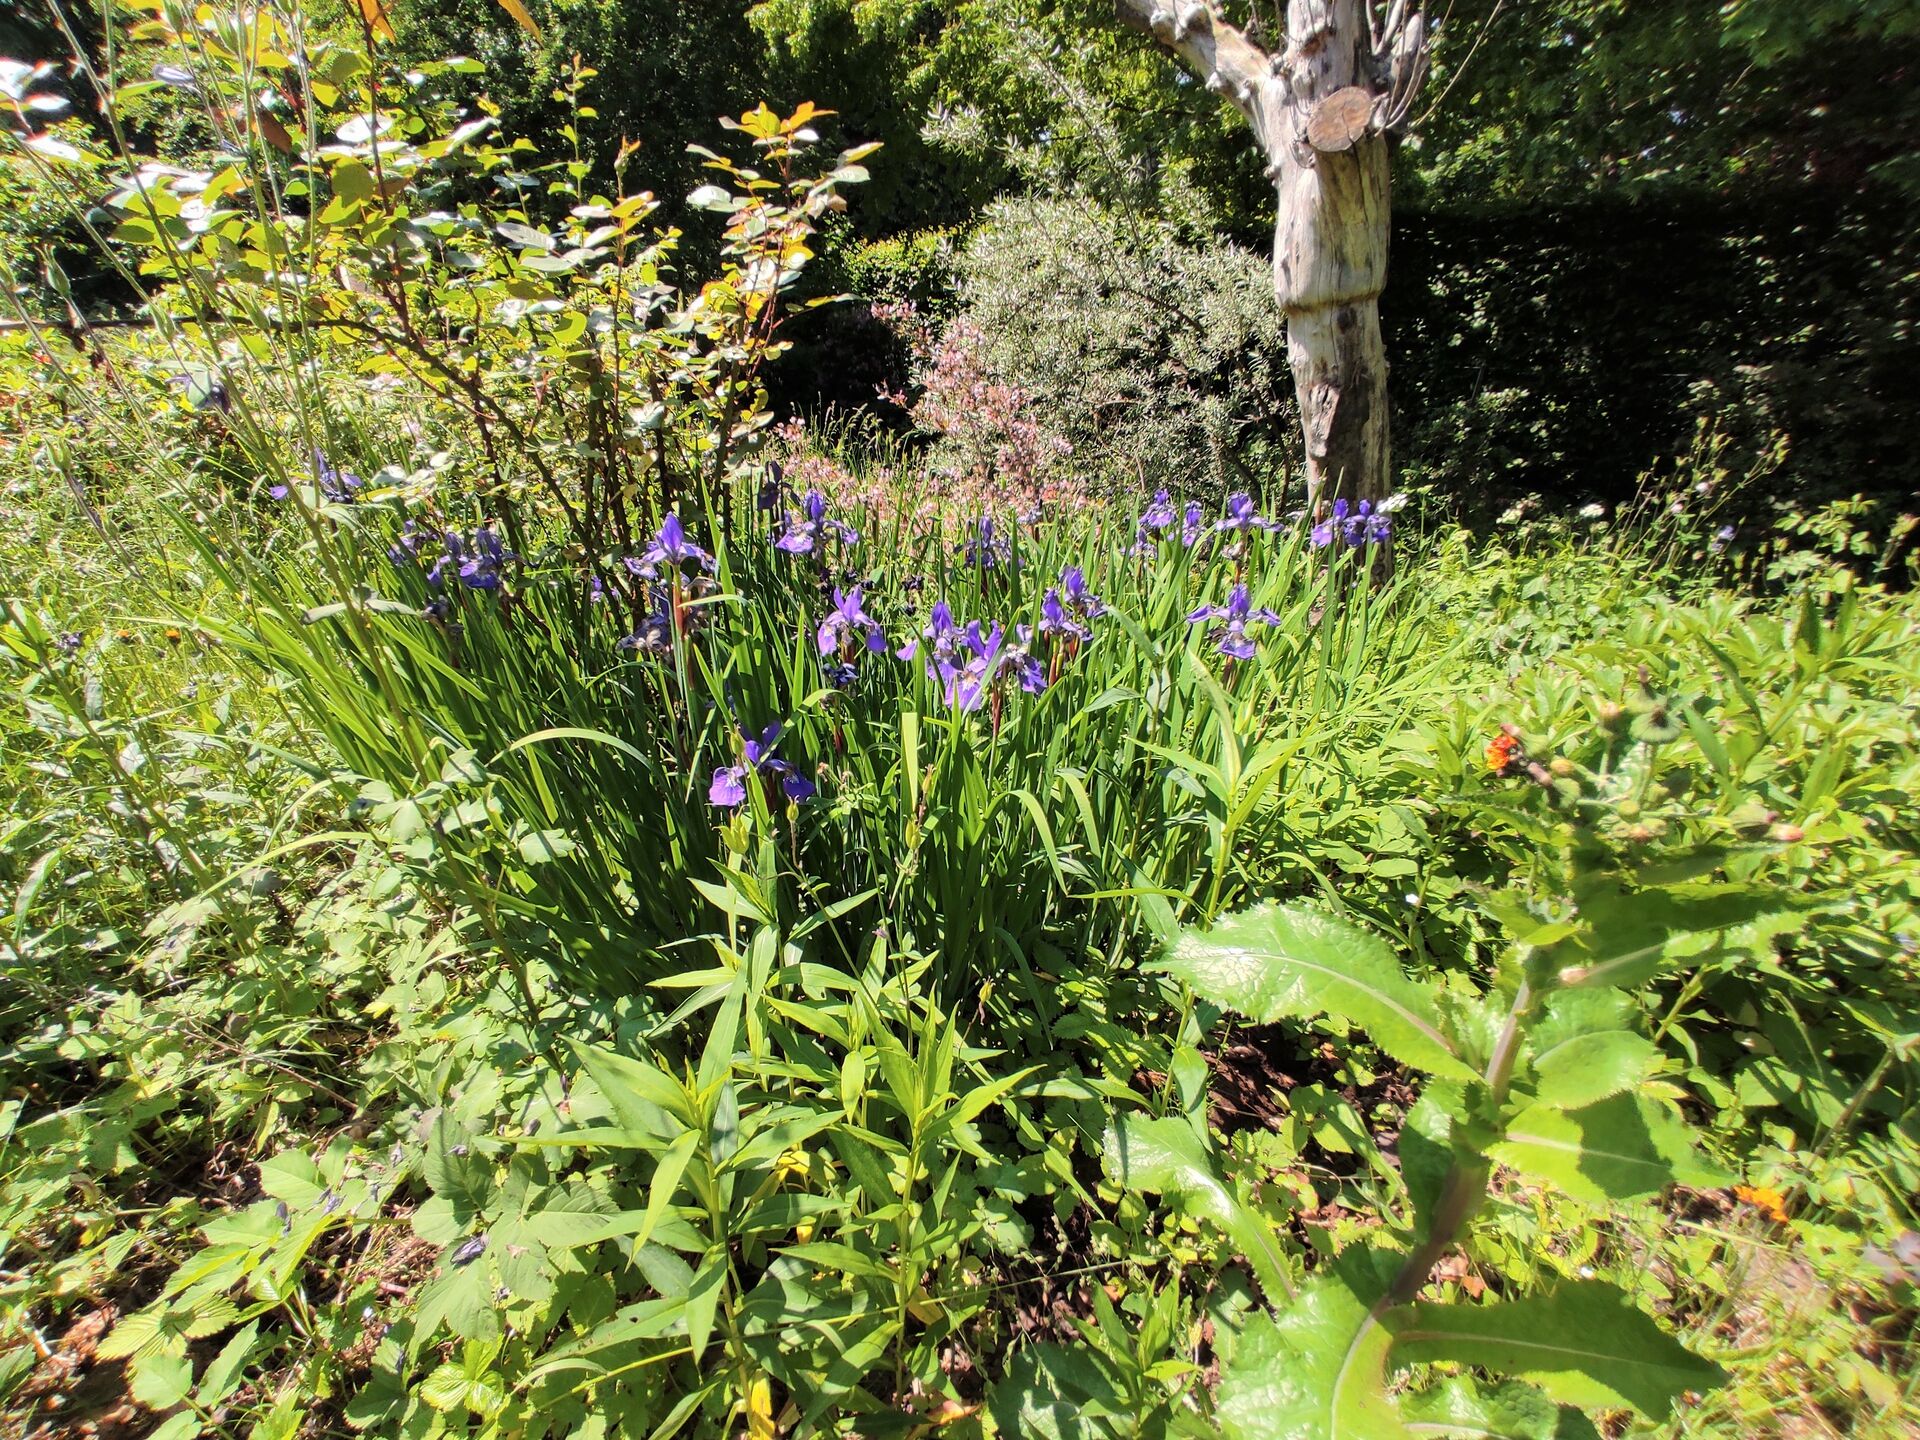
(1222, 55)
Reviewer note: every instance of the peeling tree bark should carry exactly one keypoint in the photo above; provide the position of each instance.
(1321, 111)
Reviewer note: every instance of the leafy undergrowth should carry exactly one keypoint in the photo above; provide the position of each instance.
(306, 1159)
(537, 905)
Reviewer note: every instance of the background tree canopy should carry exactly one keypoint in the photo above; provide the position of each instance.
(1618, 222)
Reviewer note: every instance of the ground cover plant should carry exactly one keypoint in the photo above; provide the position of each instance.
(545, 898)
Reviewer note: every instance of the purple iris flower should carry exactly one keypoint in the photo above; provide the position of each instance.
(670, 549)
(1192, 526)
(969, 688)
(479, 559)
(482, 566)
(1242, 514)
(1232, 638)
(848, 627)
(969, 662)
(1073, 585)
(1069, 610)
(773, 489)
(1157, 517)
(799, 537)
(1351, 525)
(405, 549)
(335, 485)
(942, 636)
(1056, 619)
(1026, 668)
(728, 790)
(654, 634)
(985, 549)
(993, 657)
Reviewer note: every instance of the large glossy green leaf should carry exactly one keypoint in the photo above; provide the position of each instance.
(1291, 962)
(1319, 1369)
(1585, 1049)
(1588, 1069)
(1632, 935)
(1462, 1409)
(1586, 1344)
(1623, 1148)
(1166, 1157)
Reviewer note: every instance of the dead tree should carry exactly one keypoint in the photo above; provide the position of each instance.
(1321, 109)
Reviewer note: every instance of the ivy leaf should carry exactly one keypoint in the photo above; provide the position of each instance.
(1624, 1148)
(1586, 1344)
(1291, 962)
(1514, 1411)
(1318, 1369)
(1167, 1157)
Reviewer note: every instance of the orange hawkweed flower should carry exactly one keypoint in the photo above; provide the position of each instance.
(1501, 751)
(1764, 1198)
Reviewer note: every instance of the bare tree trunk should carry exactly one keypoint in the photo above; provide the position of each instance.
(1321, 110)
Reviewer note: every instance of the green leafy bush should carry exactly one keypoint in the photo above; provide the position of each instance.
(1163, 362)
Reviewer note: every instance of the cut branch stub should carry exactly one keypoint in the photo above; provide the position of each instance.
(1341, 120)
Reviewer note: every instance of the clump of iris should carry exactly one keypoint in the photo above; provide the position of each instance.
(985, 549)
(1068, 610)
(970, 662)
(1353, 526)
(478, 559)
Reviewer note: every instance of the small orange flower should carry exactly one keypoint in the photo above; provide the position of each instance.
(1764, 1198)
(1501, 752)
(173, 636)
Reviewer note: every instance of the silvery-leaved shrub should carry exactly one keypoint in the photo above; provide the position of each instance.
(1154, 356)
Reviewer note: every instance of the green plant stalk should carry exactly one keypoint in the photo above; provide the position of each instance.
(1465, 1186)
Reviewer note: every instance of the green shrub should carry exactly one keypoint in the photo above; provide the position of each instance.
(1161, 361)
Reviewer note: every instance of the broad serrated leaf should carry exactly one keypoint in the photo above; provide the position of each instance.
(161, 1381)
(1587, 1069)
(1291, 962)
(1317, 1369)
(1586, 1344)
(1166, 1157)
(1632, 935)
(446, 1388)
(1624, 1148)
